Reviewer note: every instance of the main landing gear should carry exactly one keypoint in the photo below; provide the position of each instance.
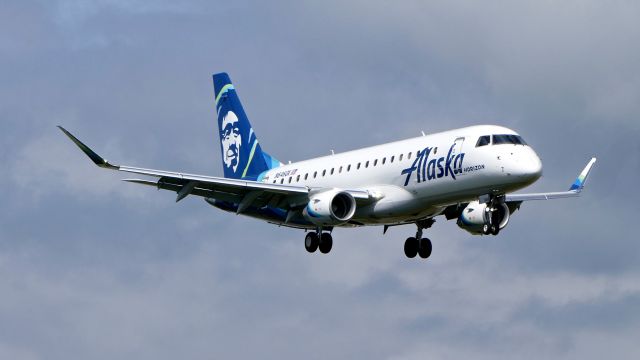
(414, 246)
(322, 242)
(418, 245)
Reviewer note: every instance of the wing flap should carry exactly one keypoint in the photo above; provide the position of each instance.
(205, 193)
(215, 183)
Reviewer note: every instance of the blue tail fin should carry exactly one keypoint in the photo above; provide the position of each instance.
(242, 156)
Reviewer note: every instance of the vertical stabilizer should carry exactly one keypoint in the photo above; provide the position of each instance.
(242, 155)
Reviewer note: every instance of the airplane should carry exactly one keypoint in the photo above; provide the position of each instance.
(468, 175)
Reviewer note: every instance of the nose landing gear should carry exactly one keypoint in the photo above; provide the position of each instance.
(496, 213)
(490, 229)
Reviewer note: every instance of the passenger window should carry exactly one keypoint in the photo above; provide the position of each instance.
(391, 160)
(315, 174)
(290, 179)
(358, 166)
(349, 168)
(324, 172)
(384, 160)
(375, 162)
(340, 170)
(274, 181)
(409, 156)
(366, 164)
(483, 140)
(306, 176)
(298, 178)
(400, 159)
(282, 181)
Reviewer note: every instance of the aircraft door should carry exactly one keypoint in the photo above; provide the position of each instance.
(457, 146)
(457, 149)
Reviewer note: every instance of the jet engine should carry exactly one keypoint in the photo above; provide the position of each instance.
(332, 207)
(480, 218)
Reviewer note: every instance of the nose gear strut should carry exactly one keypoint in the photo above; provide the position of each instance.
(492, 224)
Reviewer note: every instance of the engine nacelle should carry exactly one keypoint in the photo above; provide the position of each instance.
(476, 215)
(333, 207)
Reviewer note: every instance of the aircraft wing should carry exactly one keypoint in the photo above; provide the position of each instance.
(242, 192)
(573, 191)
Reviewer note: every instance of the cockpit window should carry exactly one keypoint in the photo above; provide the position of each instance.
(483, 140)
(508, 139)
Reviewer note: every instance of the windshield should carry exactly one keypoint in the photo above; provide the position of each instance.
(508, 139)
(483, 140)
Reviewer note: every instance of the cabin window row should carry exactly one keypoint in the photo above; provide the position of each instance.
(347, 168)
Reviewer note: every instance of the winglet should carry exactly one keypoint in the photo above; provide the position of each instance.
(582, 178)
(97, 159)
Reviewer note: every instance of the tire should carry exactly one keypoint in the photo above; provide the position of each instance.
(486, 230)
(311, 242)
(326, 243)
(495, 229)
(424, 248)
(411, 247)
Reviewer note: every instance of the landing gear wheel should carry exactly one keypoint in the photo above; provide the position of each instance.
(311, 242)
(486, 229)
(495, 229)
(326, 243)
(411, 247)
(424, 248)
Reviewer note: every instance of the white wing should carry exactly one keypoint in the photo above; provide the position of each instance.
(242, 192)
(573, 191)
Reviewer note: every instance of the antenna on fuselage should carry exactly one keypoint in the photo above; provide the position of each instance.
(332, 152)
(423, 134)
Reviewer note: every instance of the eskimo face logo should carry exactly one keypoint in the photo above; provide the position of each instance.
(231, 140)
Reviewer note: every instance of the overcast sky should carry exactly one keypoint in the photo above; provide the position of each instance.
(93, 268)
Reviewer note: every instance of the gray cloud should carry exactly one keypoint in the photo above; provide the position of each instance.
(94, 268)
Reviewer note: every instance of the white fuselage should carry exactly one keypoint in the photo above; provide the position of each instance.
(419, 177)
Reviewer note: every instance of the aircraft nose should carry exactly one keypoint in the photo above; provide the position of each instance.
(531, 166)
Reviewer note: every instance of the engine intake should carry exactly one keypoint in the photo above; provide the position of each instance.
(476, 215)
(332, 207)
